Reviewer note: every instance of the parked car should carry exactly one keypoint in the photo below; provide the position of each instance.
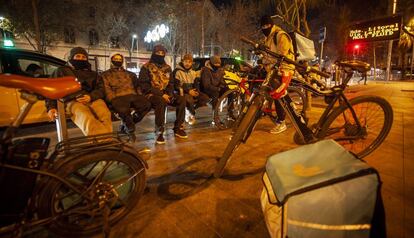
(26, 63)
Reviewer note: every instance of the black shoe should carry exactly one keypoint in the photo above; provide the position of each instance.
(232, 116)
(160, 139)
(180, 133)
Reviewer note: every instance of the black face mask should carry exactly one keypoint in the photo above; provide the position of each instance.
(158, 59)
(267, 31)
(80, 64)
(215, 68)
(117, 64)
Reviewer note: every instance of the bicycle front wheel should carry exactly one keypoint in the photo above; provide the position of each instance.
(299, 100)
(228, 108)
(246, 125)
(374, 114)
(109, 183)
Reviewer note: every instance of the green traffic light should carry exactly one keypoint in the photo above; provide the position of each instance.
(8, 43)
(237, 58)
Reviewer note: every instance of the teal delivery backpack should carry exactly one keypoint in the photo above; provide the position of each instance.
(321, 190)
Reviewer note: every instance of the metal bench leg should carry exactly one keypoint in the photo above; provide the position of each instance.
(61, 127)
(166, 113)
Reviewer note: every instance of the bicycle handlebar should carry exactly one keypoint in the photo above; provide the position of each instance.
(283, 58)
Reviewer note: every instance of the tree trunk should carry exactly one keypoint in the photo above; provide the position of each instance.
(202, 29)
(37, 25)
(402, 65)
(306, 29)
(412, 58)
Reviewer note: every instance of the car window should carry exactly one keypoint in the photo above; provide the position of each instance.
(36, 68)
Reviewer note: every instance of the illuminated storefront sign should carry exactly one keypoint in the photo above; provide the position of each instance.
(376, 30)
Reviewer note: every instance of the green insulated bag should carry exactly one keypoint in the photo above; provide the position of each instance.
(320, 190)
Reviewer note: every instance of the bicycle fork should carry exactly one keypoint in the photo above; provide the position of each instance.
(298, 121)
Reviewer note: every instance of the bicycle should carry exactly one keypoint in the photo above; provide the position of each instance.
(85, 185)
(240, 94)
(341, 122)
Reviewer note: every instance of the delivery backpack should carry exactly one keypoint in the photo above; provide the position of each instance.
(321, 190)
(303, 47)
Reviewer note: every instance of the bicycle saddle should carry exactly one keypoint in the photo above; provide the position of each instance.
(52, 88)
(355, 65)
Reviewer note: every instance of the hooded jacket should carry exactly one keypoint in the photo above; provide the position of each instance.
(185, 79)
(156, 79)
(211, 81)
(119, 82)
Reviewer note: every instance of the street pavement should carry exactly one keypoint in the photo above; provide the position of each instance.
(183, 200)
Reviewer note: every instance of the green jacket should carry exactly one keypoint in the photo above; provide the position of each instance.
(119, 82)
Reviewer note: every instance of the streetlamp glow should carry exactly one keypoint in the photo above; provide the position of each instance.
(134, 36)
(159, 32)
(1, 18)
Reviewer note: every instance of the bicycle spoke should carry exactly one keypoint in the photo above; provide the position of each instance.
(122, 181)
(100, 175)
(81, 177)
(90, 170)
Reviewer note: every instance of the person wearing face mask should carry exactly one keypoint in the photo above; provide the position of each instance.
(212, 82)
(155, 80)
(34, 70)
(121, 91)
(89, 111)
(279, 42)
(187, 84)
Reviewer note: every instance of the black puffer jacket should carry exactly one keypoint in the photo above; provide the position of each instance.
(90, 81)
(211, 81)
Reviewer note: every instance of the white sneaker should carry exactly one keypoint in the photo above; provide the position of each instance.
(279, 128)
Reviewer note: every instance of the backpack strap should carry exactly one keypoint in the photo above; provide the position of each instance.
(275, 36)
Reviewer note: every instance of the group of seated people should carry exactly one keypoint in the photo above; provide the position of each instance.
(156, 87)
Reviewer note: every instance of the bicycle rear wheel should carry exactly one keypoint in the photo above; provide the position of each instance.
(226, 111)
(111, 183)
(246, 125)
(375, 115)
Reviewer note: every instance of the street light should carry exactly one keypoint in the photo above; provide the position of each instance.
(159, 32)
(134, 37)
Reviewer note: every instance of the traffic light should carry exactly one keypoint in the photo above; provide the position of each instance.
(7, 37)
(8, 43)
(356, 46)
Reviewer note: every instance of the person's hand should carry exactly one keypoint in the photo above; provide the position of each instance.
(268, 67)
(193, 92)
(52, 114)
(279, 92)
(84, 99)
(166, 98)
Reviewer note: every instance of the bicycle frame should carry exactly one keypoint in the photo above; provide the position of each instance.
(307, 134)
(338, 95)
